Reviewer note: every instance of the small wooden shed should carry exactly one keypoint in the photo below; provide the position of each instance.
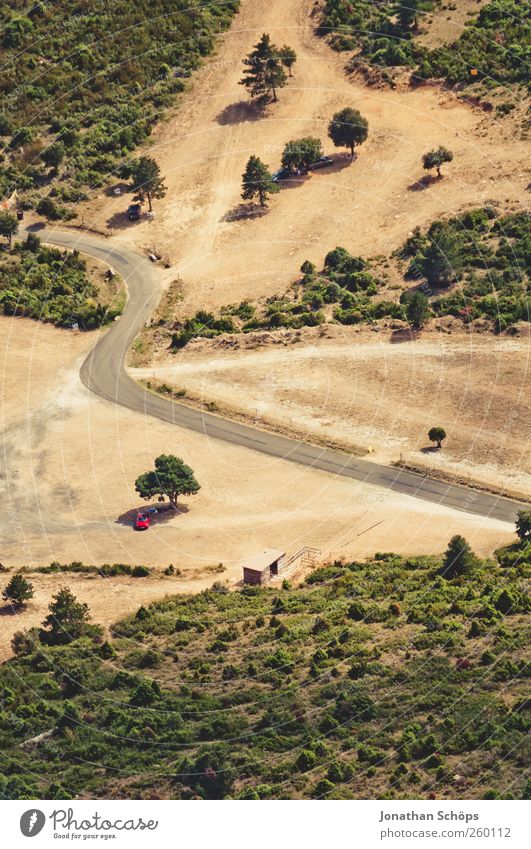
(258, 570)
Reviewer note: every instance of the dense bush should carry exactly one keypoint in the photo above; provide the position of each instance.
(50, 285)
(495, 43)
(96, 102)
(194, 697)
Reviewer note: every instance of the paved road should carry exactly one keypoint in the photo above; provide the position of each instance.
(104, 373)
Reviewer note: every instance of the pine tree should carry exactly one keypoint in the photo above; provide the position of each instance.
(257, 181)
(68, 618)
(459, 558)
(147, 181)
(18, 590)
(264, 73)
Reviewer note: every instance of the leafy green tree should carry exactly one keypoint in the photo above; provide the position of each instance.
(171, 478)
(257, 181)
(437, 434)
(288, 57)
(8, 226)
(264, 72)
(54, 154)
(18, 590)
(145, 174)
(523, 525)
(407, 12)
(442, 261)
(417, 308)
(68, 618)
(459, 558)
(348, 128)
(301, 153)
(436, 158)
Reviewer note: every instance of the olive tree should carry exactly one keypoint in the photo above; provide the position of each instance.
(171, 478)
(436, 158)
(348, 128)
(437, 434)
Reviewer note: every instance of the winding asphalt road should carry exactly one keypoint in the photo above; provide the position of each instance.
(103, 372)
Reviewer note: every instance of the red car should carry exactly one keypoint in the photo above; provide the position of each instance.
(142, 522)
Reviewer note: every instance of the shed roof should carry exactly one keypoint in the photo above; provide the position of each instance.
(262, 561)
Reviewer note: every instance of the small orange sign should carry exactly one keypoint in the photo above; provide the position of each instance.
(473, 72)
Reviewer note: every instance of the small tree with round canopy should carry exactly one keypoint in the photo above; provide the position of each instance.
(437, 434)
(170, 478)
(348, 128)
(436, 158)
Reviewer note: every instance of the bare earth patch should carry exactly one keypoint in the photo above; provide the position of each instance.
(355, 387)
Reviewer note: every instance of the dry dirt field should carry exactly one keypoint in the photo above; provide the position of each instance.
(70, 460)
(365, 205)
(356, 387)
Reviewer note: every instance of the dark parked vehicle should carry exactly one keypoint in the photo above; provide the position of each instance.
(133, 213)
(322, 162)
(287, 173)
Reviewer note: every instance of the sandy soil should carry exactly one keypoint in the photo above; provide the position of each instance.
(67, 486)
(356, 387)
(365, 205)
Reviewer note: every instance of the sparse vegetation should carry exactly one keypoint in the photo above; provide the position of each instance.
(101, 100)
(286, 693)
(487, 254)
(492, 45)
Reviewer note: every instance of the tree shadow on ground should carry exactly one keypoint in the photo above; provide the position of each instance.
(125, 188)
(120, 221)
(430, 449)
(424, 183)
(11, 609)
(405, 334)
(340, 162)
(243, 211)
(164, 515)
(241, 112)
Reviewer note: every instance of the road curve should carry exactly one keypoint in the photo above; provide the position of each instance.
(103, 372)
